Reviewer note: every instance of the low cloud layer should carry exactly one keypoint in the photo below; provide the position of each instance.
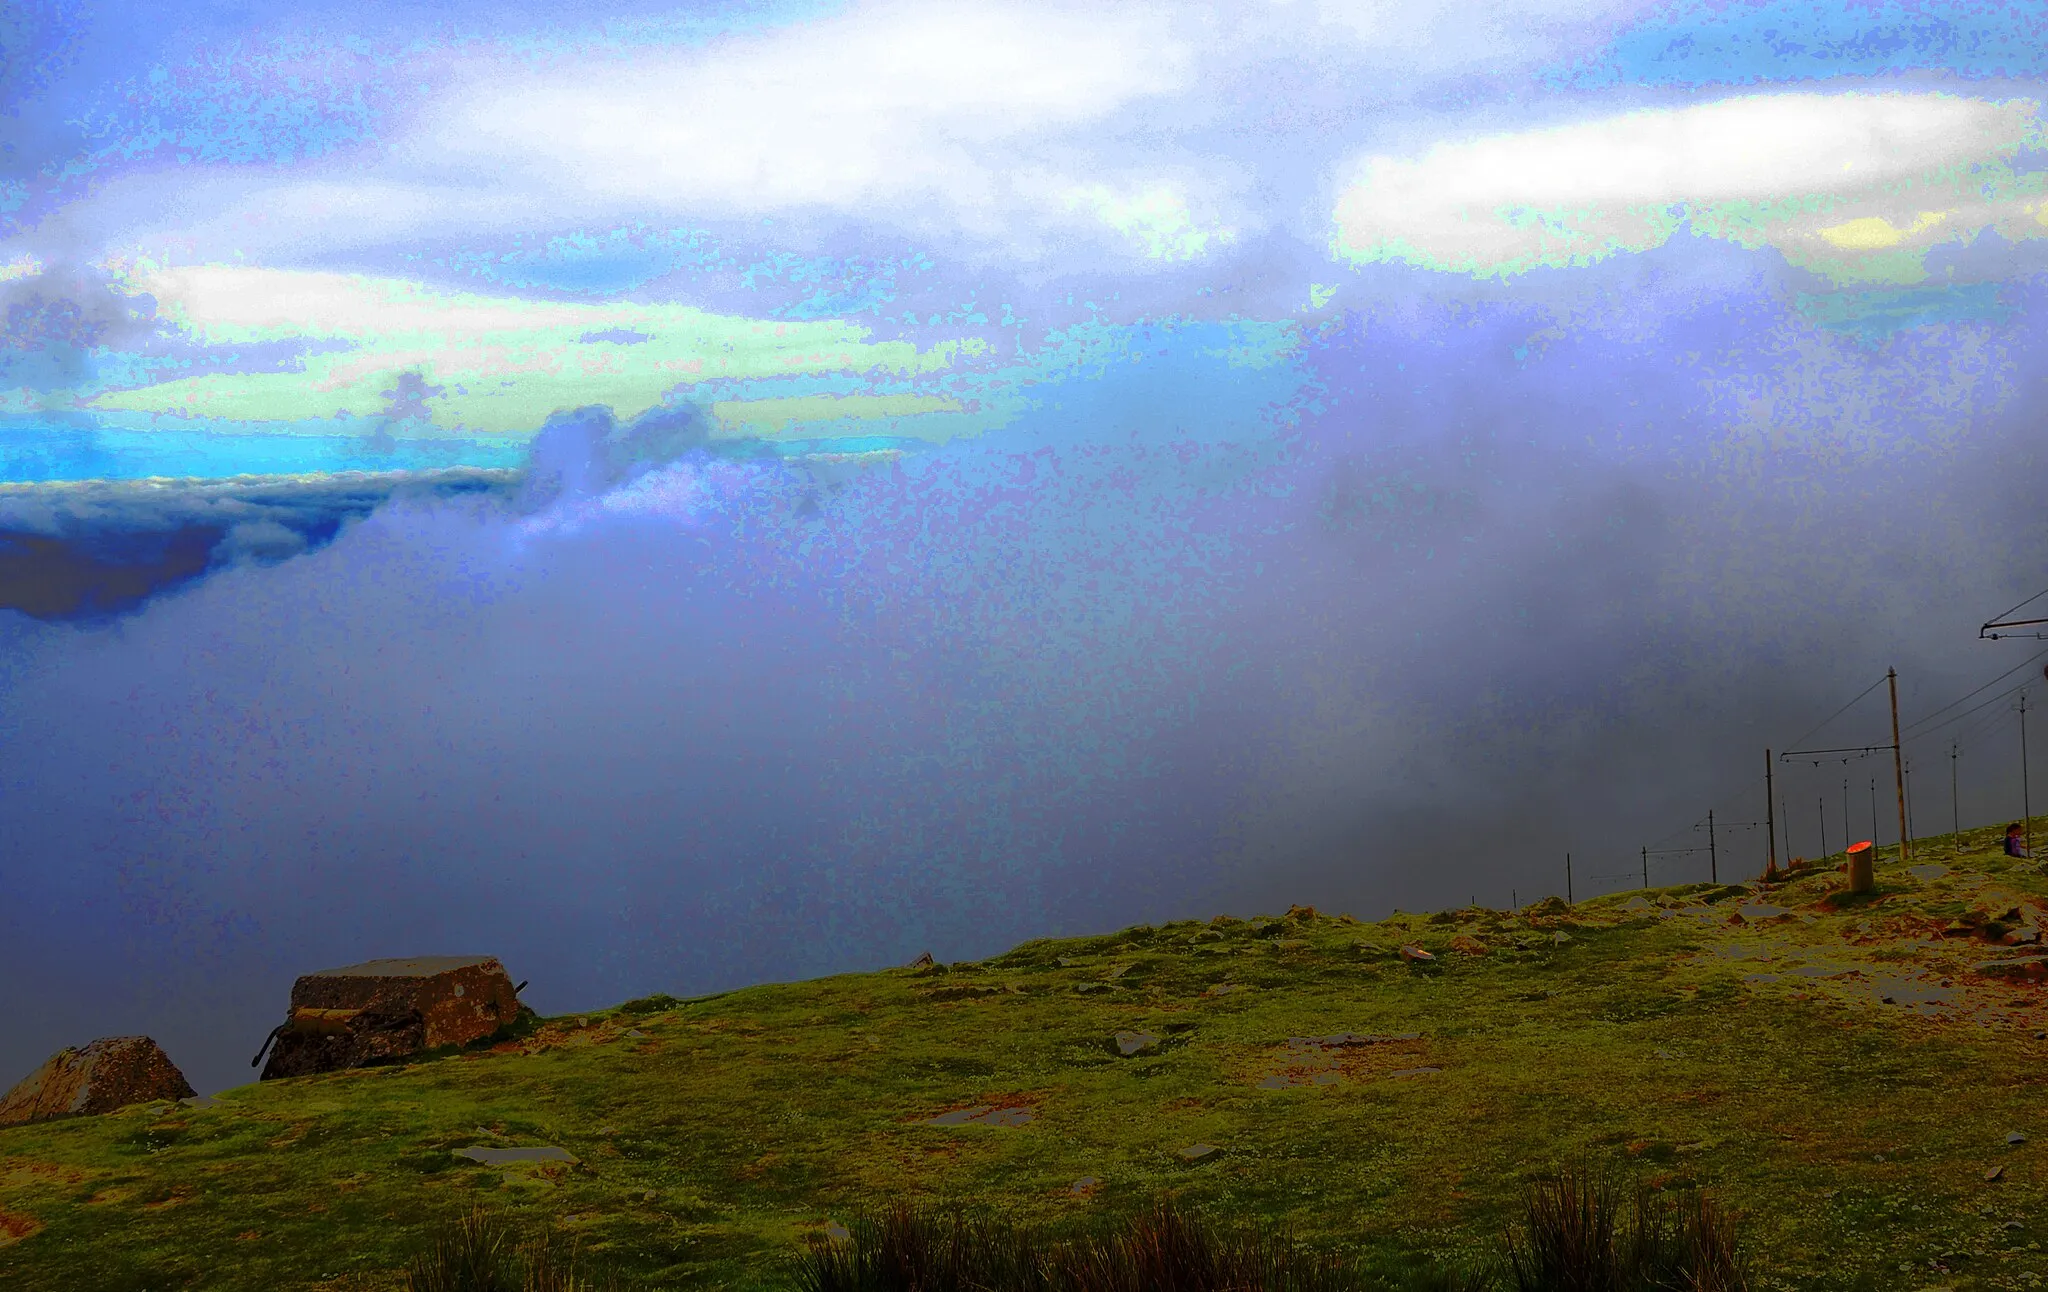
(1456, 596)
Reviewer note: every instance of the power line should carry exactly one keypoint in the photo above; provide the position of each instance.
(1923, 721)
(2000, 621)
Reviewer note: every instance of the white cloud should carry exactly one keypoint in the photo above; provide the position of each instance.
(1784, 168)
(893, 103)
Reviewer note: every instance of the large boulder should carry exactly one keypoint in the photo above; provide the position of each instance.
(110, 1073)
(383, 1010)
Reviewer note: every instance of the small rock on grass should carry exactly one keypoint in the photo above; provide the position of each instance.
(1994, 1173)
(1086, 1185)
(1195, 1152)
(1130, 1043)
(1467, 945)
(1415, 955)
(2016, 1138)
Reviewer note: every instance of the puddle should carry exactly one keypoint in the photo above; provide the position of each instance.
(985, 1115)
(1928, 872)
(503, 1156)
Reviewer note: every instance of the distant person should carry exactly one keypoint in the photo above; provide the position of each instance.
(2015, 846)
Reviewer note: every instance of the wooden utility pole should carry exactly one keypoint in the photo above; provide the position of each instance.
(2026, 790)
(1568, 879)
(1899, 768)
(1823, 825)
(1770, 822)
(1713, 857)
(1955, 807)
(1646, 865)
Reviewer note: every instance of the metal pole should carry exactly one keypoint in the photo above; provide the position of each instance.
(1955, 809)
(1770, 822)
(1713, 857)
(1845, 818)
(1899, 771)
(1873, 818)
(1646, 865)
(1568, 879)
(1823, 825)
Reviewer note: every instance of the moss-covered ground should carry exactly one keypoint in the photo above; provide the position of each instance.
(1839, 1071)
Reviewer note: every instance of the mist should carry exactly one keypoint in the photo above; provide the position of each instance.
(1396, 619)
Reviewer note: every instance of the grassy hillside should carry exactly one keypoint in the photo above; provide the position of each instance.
(1755, 1054)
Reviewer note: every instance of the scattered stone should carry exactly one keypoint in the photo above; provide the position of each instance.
(204, 1101)
(634, 1033)
(2034, 967)
(1369, 948)
(503, 1156)
(1415, 955)
(1068, 962)
(1130, 1043)
(1762, 911)
(1994, 1173)
(1305, 914)
(1927, 873)
(110, 1073)
(835, 1231)
(1666, 1055)
(1343, 1039)
(1117, 971)
(1195, 1152)
(984, 1115)
(1414, 1072)
(1560, 936)
(923, 961)
(1467, 945)
(1638, 903)
(1222, 989)
(2016, 1138)
(1084, 1186)
(1091, 986)
(390, 1009)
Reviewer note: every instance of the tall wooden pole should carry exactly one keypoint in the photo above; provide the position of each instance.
(1713, 857)
(1568, 879)
(1770, 821)
(1899, 767)
(2026, 790)
(1646, 865)
(1955, 808)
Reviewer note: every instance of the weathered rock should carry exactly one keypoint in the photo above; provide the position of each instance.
(2016, 1137)
(923, 961)
(1467, 945)
(383, 1010)
(2035, 967)
(1415, 955)
(110, 1073)
(1196, 1152)
(1130, 1043)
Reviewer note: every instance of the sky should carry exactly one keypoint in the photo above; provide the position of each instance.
(677, 496)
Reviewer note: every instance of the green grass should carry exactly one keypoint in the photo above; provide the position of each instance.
(1849, 1138)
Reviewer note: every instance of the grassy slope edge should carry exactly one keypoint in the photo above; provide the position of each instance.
(1757, 1056)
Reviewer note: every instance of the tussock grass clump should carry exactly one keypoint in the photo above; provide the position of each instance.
(1585, 1231)
(1161, 1250)
(1580, 1232)
(478, 1253)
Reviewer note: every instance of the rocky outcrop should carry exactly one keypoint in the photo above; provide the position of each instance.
(385, 1010)
(110, 1073)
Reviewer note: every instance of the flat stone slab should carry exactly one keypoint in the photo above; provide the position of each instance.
(1761, 911)
(1130, 1043)
(505, 1156)
(204, 1101)
(404, 967)
(1196, 1152)
(1929, 872)
(1343, 1040)
(985, 1115)
(383, 1010)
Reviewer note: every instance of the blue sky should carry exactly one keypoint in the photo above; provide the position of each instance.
(766, 490)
